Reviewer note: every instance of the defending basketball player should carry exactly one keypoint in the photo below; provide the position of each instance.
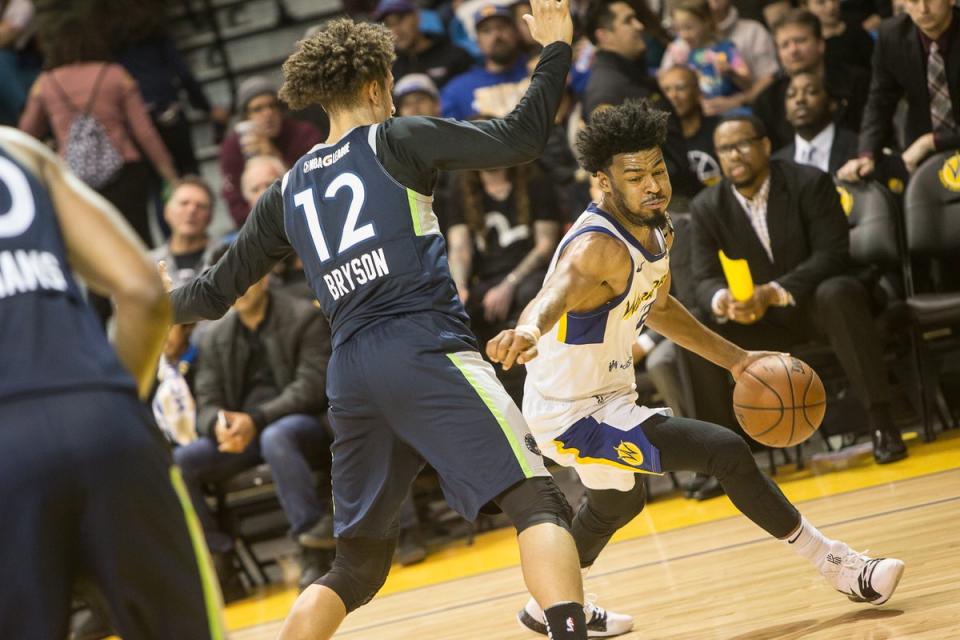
(610, 276)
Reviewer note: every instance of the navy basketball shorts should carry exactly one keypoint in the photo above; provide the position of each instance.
(410, 389)
(88, 494)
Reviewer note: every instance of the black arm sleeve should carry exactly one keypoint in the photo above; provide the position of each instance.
(261, 244)
(412, 149)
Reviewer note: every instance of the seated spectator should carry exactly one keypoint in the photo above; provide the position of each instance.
(260, 396)
(818, 142)
(16, 29)
(923, 39)
(78, 80)
(801, 47)
(618, 74)
(787, 223)
(754, 43)
(264, 130)
(418, 52)
(721, 70)
(259, 173)
(846, 41)
(188, 211)
(501, 242)
(680, 86)
(495, 87)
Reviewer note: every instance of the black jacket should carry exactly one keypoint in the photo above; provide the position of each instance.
(900, 68)
(296, 338)
(808, 233)
(844, 148)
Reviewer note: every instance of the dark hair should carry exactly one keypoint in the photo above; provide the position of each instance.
(471, 196)
(801, 18)
(759, 128)
(194, 181)
(630, 127)
(331, 66)
(71, 39)
(600, 16)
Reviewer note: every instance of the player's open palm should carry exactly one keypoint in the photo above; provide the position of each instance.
(511, 346)
(749, 358)
(550, 21)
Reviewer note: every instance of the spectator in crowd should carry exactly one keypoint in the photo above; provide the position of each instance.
(801, 47)
(917, 57)
(259, 173)
(528, 45)
(77, 81)
(495, 87)
(264, 130)
(680, 86)
(188, 211)
(786, 221)
(16, 29)
(754, 43)
(818, 142)
(419, 52)
(260, 396)
(721, 70)
(846, 41)
(618, 74)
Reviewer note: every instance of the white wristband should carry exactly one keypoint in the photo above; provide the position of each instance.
(532, 331)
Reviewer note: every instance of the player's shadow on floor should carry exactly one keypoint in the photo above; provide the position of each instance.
(802, 628)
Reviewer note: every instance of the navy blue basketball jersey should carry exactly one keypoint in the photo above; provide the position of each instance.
(371, 248)
(49, 337)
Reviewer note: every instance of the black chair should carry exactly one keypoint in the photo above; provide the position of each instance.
(932, 226)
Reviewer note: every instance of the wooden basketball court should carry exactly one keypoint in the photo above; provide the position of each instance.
(720, 579)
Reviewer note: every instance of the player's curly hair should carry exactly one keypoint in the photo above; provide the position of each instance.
(331, 66)
(627, 128)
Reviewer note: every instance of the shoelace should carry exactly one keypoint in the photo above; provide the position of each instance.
(599, 613)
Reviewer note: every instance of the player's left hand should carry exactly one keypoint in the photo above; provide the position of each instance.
(496, 302)
(239, 434)
(748, 358)
(511, 346)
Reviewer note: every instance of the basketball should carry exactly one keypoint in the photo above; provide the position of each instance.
(779, 401)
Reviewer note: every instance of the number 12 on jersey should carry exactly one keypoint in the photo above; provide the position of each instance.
(351, 235)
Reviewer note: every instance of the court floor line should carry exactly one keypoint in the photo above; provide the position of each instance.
(642, 565)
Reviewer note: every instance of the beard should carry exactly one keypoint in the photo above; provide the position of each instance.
(503, 53)
(653, 218)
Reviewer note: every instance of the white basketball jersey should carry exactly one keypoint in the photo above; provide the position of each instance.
(590, 354)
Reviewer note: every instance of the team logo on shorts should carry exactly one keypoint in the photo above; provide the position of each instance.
(630, 453)
(531, 443)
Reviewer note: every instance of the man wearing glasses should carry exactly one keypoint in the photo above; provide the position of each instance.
(786, 221)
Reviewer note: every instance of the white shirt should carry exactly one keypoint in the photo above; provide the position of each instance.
(815, 152)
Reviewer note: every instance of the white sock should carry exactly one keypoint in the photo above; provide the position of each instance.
(808, 542)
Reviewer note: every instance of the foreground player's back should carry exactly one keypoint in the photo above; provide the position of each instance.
(49, 337)
(370, 246)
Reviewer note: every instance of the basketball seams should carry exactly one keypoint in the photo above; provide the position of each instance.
(793, 399)
(775, 395)
(806, 390)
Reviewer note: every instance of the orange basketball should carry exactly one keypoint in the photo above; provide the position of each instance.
(779, 401)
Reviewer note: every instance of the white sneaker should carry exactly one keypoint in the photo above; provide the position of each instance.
(600, 622)
(860, 577)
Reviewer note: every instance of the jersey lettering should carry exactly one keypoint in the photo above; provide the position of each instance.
(23, 209)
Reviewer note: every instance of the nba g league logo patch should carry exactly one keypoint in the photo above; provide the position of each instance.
(531, 443)
(950, 173)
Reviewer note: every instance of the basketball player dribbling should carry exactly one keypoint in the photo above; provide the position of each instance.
(406, 380)
(88, 490)
(610, 276)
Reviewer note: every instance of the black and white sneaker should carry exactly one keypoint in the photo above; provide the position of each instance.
(600, 622)
(860, 577)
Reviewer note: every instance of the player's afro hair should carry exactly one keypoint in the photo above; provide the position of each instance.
(630, 127)
(331, 66)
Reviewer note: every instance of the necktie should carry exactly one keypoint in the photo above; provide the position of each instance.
(941, 112)
(811, 155)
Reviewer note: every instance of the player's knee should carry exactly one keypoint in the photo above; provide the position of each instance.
(612, 509)
(729, 453)
(359, 569)
(535, 501)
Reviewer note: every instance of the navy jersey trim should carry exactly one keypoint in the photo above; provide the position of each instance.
(593, 208)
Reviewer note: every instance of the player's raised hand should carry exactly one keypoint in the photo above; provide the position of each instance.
(512, 345)
(550, 22)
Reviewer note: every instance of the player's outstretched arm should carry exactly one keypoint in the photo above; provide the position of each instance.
(104, 251)
(593, 269)
(262, 243)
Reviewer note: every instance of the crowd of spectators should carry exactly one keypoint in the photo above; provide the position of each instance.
(754, 89)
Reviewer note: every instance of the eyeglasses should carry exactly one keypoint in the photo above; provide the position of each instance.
(743, 147)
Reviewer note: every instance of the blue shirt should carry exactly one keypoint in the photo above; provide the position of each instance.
(479, 92)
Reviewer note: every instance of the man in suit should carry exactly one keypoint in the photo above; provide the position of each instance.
(817, 141)
(786, 221)
(917, 56)
(801, 47)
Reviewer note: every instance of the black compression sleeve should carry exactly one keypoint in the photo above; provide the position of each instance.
(262, 242)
